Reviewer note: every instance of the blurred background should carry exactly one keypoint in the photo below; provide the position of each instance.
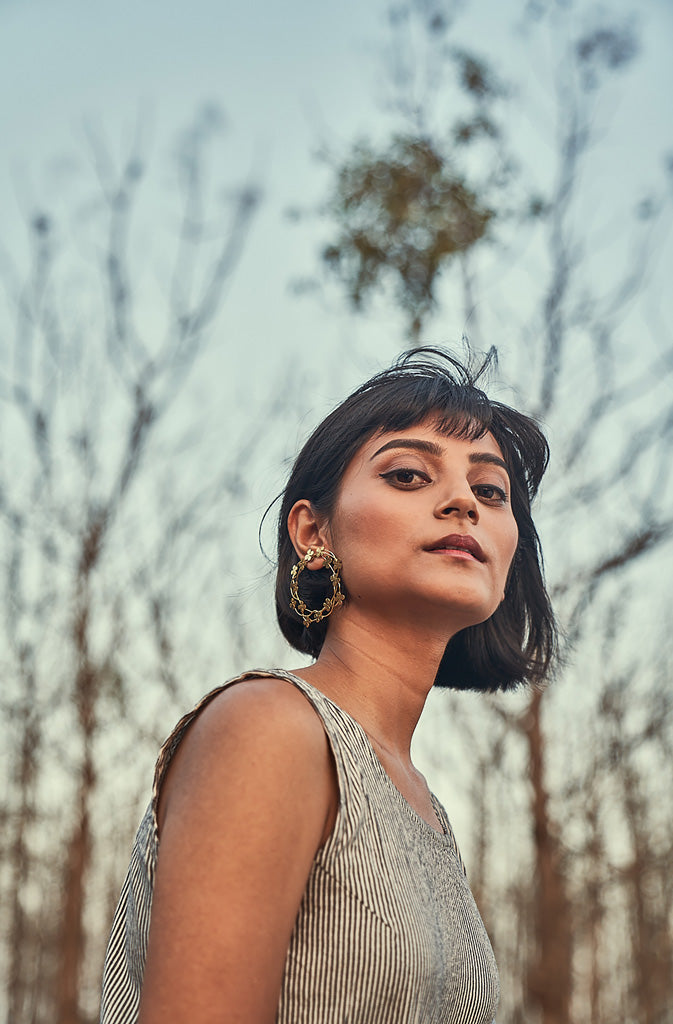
(215, 221)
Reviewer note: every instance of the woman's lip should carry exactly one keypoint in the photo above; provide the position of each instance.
(459, 544)
(455, 552)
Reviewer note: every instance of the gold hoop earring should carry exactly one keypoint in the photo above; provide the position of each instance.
(309, 615)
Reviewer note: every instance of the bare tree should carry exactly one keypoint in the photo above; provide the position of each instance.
(105, 525)
(575, 368)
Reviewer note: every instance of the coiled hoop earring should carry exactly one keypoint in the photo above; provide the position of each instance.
(309, 615)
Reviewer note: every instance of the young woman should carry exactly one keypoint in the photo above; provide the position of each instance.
(293, 865)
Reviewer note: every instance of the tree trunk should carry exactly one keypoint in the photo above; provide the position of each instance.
(78, 851)
(550, 973)
(17, 986)
(650, 932)
(72, 921)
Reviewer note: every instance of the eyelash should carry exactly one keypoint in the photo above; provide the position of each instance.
(392, 473)
(497, 497)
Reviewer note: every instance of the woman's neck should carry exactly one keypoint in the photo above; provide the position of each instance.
(380, 674)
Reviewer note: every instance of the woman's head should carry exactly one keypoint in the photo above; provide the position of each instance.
(426, 386)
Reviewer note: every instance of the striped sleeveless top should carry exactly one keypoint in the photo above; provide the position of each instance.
(387, 931)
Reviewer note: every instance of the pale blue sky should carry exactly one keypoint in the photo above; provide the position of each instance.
(288, 76)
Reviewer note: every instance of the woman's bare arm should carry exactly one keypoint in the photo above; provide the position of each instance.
(247, 802)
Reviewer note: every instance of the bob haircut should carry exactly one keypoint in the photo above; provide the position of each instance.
(517, 643)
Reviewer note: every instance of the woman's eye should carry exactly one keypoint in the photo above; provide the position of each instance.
(406, 477)
(491, 493)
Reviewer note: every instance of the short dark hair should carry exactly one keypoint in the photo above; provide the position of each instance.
(517, 643)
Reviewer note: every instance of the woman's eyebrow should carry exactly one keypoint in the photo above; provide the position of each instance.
(416, 444)
(493, 460)
(432, 448)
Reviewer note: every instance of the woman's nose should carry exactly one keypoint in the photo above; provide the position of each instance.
(461, 506)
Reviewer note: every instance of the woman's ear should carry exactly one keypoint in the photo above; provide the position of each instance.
(307, 530)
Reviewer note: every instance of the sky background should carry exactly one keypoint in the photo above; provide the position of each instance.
(290, 78)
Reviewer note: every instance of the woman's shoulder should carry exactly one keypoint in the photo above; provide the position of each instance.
(259, 731)
(259, 695)
(263, 717)
(265, 691)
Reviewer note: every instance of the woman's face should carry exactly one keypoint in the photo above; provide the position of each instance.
(424, 527)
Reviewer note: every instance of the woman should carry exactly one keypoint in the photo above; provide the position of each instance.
(296, 865)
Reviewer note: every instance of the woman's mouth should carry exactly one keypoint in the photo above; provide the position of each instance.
(459, 545)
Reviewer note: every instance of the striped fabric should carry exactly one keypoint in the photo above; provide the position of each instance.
(387, 931)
